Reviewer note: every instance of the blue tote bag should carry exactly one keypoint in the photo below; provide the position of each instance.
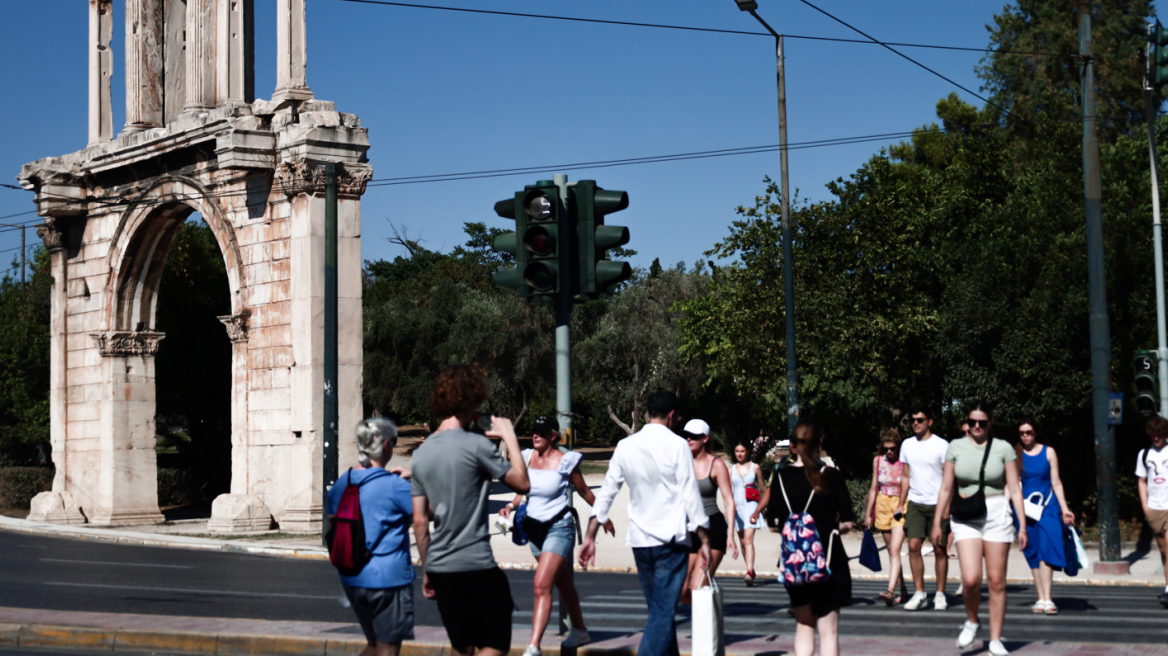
(869, 552)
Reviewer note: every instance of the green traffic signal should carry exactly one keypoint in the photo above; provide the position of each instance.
(508, 242)
(596, 273)
(1147, 402)
(1157, 72)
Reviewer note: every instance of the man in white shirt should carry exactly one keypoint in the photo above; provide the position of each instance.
(923, 456)
(1152, 472)
(664, 508)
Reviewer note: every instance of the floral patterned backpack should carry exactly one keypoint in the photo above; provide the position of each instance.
(803, 561)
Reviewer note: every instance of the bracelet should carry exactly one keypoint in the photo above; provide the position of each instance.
(511, 506)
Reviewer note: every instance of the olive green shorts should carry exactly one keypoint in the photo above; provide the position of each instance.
(918, 523)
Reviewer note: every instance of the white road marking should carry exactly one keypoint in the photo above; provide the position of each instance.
(103, 562)
(191, 591)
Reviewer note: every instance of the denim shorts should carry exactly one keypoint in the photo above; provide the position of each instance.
(561, 539)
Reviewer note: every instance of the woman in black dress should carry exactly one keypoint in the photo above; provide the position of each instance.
(817, 606)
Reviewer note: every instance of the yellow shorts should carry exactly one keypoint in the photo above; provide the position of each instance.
(885, 509)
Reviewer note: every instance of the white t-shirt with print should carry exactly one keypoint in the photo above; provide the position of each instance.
(1157, 475)
(926, 468)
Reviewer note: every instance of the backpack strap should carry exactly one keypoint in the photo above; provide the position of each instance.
(831, 543)
(788, 501)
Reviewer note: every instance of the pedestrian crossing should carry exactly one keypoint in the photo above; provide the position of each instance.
(1087, 614)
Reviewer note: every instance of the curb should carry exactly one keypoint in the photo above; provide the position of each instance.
(319, 553)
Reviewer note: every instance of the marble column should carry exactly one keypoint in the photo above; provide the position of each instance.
(101, 68)
(235, 51)
(200, 55)
(144, 41)
(291, 52)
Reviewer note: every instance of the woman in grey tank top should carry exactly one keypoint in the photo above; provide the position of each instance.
(713, 476)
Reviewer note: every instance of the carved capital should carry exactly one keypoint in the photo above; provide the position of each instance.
(236, 326)
(126, 342)
(299, 177)
(52, 235)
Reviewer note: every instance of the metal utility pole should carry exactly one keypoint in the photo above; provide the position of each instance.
(12, 225)
(1152, 96)
(788, 274)
(331, 408)
(1097, 289)
(564, 348)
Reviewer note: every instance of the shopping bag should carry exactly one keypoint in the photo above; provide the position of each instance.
(1084, 562)
(707, 620)
(869, 552)
(1070, 553)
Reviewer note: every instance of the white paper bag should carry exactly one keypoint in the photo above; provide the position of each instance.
(707, 620)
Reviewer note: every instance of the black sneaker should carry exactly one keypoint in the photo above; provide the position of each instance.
(1163, 599)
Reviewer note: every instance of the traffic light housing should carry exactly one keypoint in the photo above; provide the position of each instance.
(591, 204)
(536, 244)
(1157, 65)
(1147, 402)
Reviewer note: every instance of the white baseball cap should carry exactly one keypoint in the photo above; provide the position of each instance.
(697, 426)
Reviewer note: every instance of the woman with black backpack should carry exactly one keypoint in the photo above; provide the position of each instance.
(984, 473)
(814, 506)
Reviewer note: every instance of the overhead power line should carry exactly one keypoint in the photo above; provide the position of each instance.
(687, 28)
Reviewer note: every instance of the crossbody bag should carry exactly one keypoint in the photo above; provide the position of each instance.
(972, 508)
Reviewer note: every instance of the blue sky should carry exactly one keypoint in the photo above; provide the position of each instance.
(446, 92)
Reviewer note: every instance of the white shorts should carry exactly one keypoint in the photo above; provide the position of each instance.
(997, 526)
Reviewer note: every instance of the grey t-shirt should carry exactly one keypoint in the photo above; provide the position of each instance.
(453, 469)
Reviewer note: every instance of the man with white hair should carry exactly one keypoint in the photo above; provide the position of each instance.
(382, 593)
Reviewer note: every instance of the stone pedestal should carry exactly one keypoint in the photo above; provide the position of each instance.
(56, 508)
(303, 514)
(239, 513)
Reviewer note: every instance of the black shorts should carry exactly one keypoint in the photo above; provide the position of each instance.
(386, 615)
(475, 607)
(718, 533)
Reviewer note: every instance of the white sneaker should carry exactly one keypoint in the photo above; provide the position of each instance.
(919, 600)
(939, 601)
(532, 650)
(576, 638)
(998, 649)
(926, 550)
(968, 633)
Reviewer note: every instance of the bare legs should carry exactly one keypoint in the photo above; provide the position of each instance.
(893, 540)
(551, 570)
(1042, 580)
(746, 539)
(970, 553)
(1162, 543)
(805, 626)
(917, 562)
(695, 579)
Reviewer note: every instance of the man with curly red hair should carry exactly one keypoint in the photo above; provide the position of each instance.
(452, 474)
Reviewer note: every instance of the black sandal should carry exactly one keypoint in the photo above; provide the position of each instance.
(888, 598)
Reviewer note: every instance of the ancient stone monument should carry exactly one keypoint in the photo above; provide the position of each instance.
(196, 139)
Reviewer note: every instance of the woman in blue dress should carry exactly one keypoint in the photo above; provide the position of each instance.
(1041, 484)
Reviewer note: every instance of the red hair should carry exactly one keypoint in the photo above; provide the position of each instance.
(460, 388)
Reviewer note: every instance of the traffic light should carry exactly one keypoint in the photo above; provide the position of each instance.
(1157, 72)
(591, 204)
(535, 243)
(1146, 400)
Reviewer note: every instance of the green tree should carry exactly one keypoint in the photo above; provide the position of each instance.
(24, 364)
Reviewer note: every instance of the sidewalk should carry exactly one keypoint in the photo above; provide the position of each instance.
(29, 628)
(612, 553)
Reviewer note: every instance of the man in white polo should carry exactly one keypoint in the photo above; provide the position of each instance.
(924, 458)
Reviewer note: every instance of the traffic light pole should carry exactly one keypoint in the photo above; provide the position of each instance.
(1158, 246)
(564, 347)
(331, 408)
(1109, 551)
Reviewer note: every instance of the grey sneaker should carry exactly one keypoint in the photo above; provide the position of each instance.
(919, 600)
(532, 650)
(939, 601)
(576, 638)
(968, 633)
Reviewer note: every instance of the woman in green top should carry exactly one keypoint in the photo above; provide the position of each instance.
(991, 535)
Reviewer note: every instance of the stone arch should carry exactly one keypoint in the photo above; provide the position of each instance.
(141, 242)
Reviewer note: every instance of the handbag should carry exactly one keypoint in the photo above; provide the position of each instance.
(1079, 550)
(869, 552)
(752, 493)
(1034, 509)
(518, 530)
(972, 508)
(708, 621)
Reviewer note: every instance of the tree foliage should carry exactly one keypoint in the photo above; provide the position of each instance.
(24, 364)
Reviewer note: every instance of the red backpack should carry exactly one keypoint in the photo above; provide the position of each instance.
(348, 551)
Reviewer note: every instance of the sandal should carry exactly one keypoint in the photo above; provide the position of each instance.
(1039, 607)
(1051, 609)
(749, 579)
(887, 597)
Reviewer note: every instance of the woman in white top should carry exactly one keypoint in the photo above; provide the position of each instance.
(746, 475)
(550, 526)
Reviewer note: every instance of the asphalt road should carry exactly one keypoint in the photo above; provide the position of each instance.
(64, 574)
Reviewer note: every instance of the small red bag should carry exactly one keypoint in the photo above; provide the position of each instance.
(752, 493)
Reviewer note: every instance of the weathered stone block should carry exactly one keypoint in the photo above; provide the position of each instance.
(55, 508)
(236, 513)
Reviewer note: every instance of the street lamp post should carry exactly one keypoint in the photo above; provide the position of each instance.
(788, 276)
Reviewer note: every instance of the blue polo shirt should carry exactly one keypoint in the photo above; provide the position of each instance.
(387, 510)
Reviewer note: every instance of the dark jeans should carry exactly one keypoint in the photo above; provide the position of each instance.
(662, 573)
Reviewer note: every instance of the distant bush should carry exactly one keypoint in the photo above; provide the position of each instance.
(179, 487)
(18, 485)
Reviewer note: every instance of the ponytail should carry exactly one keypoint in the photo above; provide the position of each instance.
(808, 439)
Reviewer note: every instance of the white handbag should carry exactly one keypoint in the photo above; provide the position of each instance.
(1034, 509)
(707, 620)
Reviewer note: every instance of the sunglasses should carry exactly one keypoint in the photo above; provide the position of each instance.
(919, 420)
(1022, 432)
(979, 423)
